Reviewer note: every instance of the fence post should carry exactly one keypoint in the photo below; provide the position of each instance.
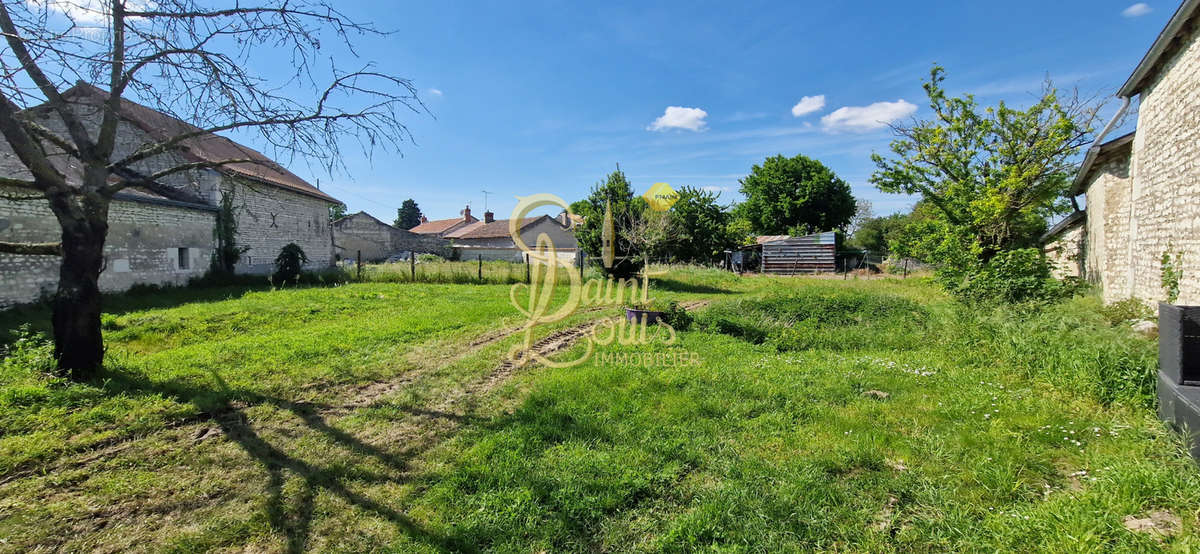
(905, 269)
(528, 276)
(412, 265)
(480, 268)
(582, 259)
(358, 265)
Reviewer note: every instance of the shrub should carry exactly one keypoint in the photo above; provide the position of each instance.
(30, 354)
(677, 317)
(428, 258)
(1125, 311)
(1172, 273)
(1015, 276)
(289, 263)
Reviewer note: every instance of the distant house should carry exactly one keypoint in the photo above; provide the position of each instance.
(491, 238)
(443, 227)
(375, 240)
(1142, 190)
(163, 232)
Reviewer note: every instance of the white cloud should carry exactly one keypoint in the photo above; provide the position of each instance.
(1137, 10)
(808, 104)
(435, 92)
(677, 117)
(89, 13)
(867, 118)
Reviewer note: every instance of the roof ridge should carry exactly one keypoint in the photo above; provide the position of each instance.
(209, 147)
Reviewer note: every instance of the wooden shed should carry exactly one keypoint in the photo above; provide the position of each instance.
(791, 255)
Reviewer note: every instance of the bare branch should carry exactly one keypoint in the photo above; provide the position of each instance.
(38, 76)
(106, 139)
(27, 149)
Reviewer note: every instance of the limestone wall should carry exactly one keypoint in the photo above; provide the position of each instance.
(270, 217)
(1066, 252)
(1166, 176)
(377, 240)
(146, 244)
(1106, 252)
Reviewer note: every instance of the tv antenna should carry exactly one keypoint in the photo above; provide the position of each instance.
(485, 193)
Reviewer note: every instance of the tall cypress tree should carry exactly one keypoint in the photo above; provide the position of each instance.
(409, 215)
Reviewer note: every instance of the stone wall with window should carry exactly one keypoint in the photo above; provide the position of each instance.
(159, 242)
(147, 243)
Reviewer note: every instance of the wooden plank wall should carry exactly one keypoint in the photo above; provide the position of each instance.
(807, 254)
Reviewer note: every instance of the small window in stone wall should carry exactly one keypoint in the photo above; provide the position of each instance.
(184, 259)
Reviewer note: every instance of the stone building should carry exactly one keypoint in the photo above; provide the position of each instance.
(164, 233)
(376, 240)
(491, 239)
(1142, 190)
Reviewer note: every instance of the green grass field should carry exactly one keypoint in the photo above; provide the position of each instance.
(822, 415)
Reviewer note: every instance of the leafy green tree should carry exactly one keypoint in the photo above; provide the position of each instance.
(740, 231)
(796, 195)
(408, 215)
(875, 233)
(337, 211)
(993, 175)
(615, 194)
(702, 226)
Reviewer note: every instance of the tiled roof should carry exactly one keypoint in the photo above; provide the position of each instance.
(202, 148)
(71, 168)
(493, 230)
(438, 226)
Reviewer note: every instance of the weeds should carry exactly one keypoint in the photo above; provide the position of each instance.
(822, 415)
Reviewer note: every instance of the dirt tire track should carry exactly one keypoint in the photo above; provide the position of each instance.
(362, 395)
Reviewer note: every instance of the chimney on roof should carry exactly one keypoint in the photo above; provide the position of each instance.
(489, 217)
(424, 219)
(466, 213)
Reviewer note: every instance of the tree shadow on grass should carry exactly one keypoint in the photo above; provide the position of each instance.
(225, 407)
(37, 315)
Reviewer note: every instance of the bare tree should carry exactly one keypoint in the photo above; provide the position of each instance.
(194, 63)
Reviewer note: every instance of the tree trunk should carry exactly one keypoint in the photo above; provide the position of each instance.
(78, 344)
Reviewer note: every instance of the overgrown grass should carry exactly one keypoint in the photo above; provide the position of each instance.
(454, 272)
(823, 415)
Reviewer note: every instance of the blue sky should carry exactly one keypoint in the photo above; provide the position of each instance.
(548, 97)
